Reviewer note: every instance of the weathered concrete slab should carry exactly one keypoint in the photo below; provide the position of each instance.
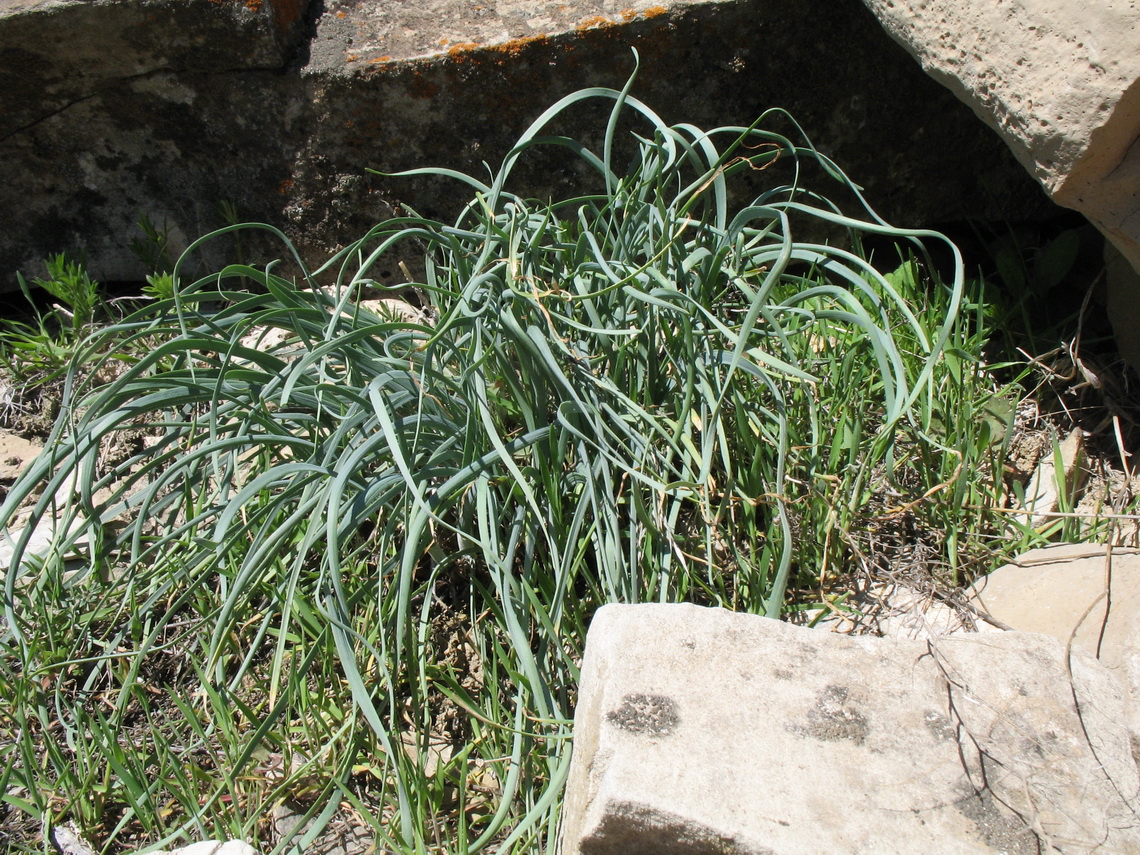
(354, 35)
(169, 107)
(700, 730)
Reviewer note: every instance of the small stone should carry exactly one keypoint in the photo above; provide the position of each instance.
(213, 847)
(15, 454)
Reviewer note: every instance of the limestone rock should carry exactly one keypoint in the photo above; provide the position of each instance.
(1081, 592)
(41, 540)
(700, 730)
(68, 841)
(166, 108)
(1059, 80)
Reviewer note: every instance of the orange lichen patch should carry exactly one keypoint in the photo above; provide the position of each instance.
(472, 52)
(342, 14)
(352, 57)
(444, 41)
(384, 58)
(594, 22)
(628, 14)
(515, 46)
(253, 5)
(462, 47)
(654, 11)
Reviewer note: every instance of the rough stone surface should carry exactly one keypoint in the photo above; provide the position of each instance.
(699, 730)
(112, 110)
(1079, 592)
(893, 610)
(1059, 80)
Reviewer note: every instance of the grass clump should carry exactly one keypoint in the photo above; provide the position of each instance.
(35, 352)
(40, 350)
(362, 550)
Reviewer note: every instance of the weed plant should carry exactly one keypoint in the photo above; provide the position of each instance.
(301, 535)
(36, 352)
